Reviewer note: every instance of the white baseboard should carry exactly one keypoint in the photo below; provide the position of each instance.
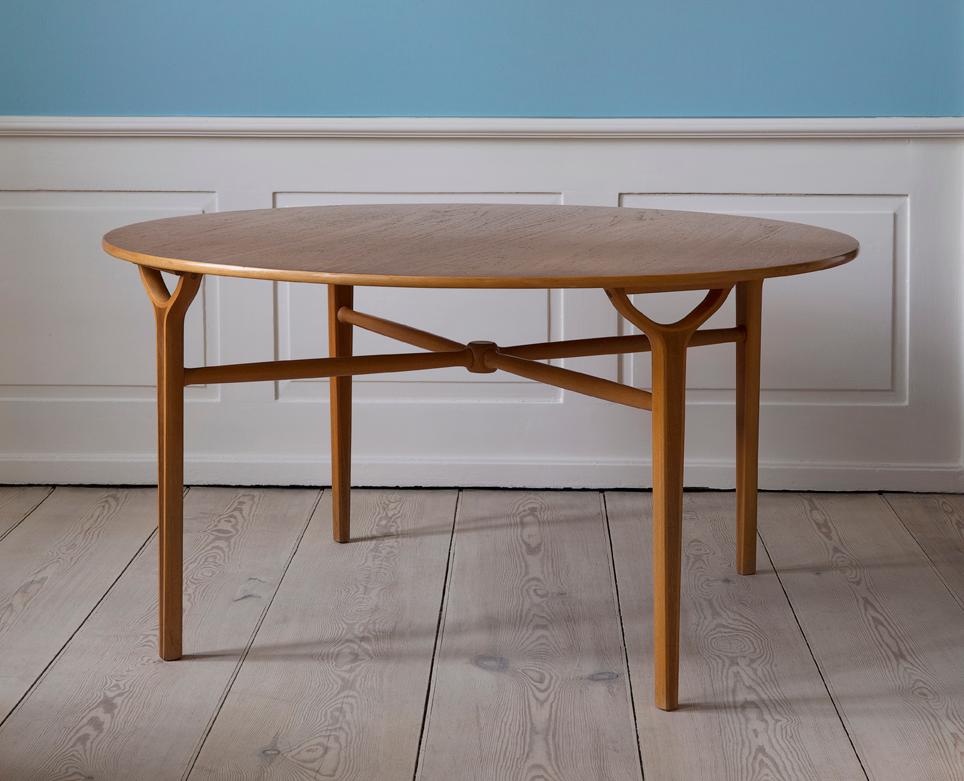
(467, 473)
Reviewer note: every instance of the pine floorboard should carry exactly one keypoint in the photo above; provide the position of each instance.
(17, 502)
(338, 672)
(880, 623)
(55, 566)
(530, 679)
(936, 522)
(108, 708)
(479, 635)
(752, 699)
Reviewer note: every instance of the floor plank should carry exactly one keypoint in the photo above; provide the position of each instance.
(882, 626)
(937, 523)
(17, 502)
(339, 670)
(530, 681)
(57, 565)
(752, 700)
(108, 708)
(530, 678)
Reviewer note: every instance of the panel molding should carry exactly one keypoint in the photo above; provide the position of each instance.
(484, 127)
(806, 207)
(203, 339)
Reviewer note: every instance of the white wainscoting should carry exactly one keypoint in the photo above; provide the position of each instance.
(862, 364)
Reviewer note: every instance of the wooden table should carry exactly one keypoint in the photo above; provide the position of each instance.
(622, 251)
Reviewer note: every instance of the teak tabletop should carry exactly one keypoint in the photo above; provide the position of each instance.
(482, 246)
(622, 251)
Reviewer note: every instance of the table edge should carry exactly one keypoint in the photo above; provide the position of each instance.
(659, 282)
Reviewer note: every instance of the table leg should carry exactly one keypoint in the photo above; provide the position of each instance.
(669, 408)
(339, 345)
(668, 342)
(169, 312)
(749, 301)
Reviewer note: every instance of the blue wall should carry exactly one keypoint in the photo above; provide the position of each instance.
(585, 58)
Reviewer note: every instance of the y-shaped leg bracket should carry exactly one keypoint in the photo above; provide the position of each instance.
(169, 311)
(669, 343)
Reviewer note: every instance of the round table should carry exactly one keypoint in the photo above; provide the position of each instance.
(622, 251)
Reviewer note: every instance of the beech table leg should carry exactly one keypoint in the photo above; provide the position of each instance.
(749, 301)
(669, 406)
(169, 312)
(668, 342)
(339, 345)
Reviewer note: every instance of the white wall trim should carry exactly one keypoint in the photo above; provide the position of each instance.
(467, 472)
(483, 127)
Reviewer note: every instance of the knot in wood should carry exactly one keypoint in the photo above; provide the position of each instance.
(479, 351)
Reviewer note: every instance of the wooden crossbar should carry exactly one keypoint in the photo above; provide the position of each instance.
(325, 367)
(569, 348)
(613, 345)
(570, 380)
(521, 359)
(402, 333)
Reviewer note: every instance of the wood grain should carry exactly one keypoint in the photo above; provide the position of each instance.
(170, 309)
(54, 567)
(882, 626)
(937, 523)
(752, 702)
(17, 502)
(474, 245)
(108, 708)
(749, 312)
(668, 426)
(339, 409)
(530, 681)
(338, 673)
(668, 342)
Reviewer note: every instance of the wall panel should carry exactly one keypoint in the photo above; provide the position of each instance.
(806, 312)
(70, 322)
(862, 364)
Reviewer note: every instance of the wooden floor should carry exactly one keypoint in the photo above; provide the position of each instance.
(479, 635)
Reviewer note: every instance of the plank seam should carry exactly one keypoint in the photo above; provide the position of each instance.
(39, 679)
(50, 490)
(254, 635)
(622, 631)
(440, 623)
(917, 542)
(816, 663)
